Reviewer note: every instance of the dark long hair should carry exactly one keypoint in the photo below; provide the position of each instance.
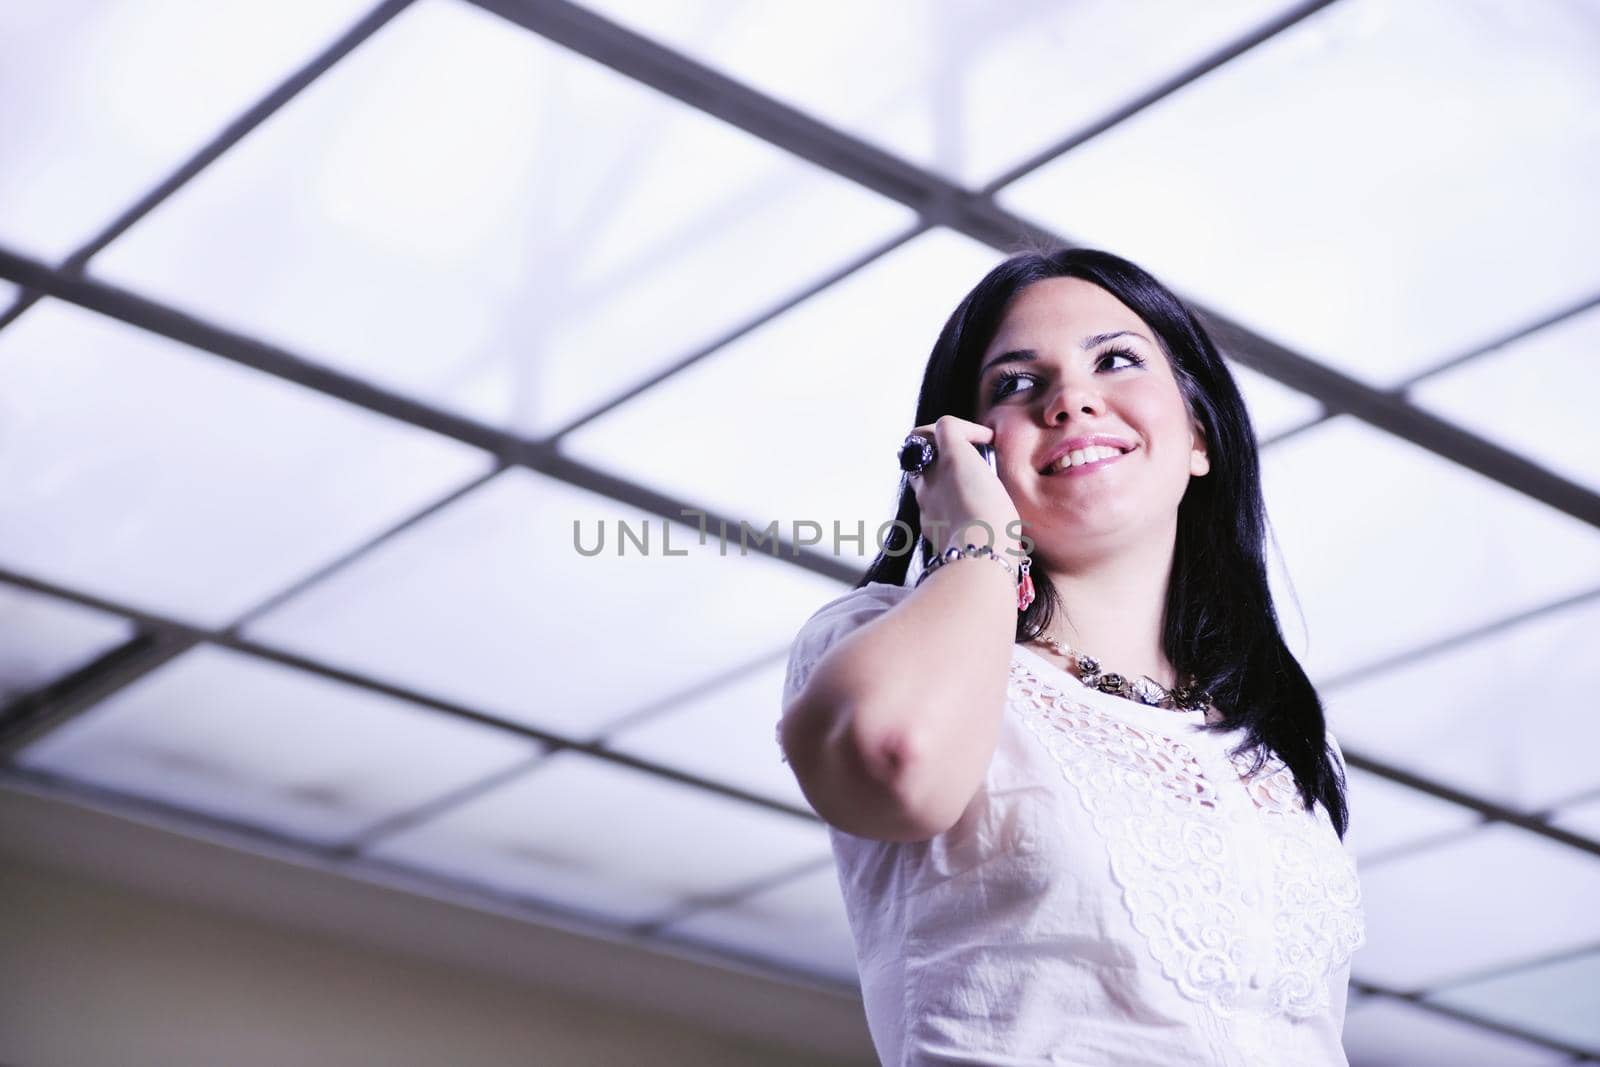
(1219, 625)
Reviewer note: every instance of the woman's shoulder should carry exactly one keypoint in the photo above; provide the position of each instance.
(873, 597)
(834, 620)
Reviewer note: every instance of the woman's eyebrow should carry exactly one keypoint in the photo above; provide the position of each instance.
(1101, 338)
(1020, 355)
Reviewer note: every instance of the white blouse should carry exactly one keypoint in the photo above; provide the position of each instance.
(1116, 893)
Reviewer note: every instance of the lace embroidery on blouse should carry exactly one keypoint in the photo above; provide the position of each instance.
(1318, 921)
(1161, 820)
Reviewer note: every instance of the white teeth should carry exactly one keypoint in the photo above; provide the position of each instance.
(1078, 457)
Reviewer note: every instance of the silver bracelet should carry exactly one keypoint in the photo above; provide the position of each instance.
(951, 554)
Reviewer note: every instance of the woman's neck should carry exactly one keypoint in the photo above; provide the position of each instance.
(1113, 608)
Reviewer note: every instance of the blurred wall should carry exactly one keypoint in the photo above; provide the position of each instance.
(99, 972)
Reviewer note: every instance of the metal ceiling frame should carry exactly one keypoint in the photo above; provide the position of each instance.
(940, 202)
(162, 638)
(937, 201)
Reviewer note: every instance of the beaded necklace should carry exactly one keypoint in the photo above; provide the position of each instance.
(1144, 689)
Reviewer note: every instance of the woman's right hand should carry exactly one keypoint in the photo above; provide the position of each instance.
(958, 488)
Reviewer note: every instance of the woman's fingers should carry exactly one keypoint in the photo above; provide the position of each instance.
(947, 430)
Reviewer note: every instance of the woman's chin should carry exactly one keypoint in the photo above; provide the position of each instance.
(1090, 535)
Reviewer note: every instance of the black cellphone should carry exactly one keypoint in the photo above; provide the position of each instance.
(987, 452)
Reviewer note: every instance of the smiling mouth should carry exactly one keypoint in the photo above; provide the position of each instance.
(1085, 459)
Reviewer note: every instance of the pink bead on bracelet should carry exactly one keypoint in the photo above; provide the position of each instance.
(951, 554)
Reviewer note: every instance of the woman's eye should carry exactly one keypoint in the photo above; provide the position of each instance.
(1132, 358)
(1006, 384)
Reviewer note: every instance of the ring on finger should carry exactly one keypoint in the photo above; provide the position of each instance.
(916, 454)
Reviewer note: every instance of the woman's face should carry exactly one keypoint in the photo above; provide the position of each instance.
(1071, 368)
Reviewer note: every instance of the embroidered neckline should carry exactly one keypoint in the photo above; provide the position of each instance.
(1163, 720)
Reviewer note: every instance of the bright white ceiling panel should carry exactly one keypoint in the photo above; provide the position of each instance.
(229, 735)
(1382, 186)
(100, 102)
(727, 734)
(490, 223)
(1510, 716)
(153, 474)
(43, 637)
(1560, 1000)
(1390, 547)
(1381, 1032)
(598, 838)
(1535, 397)
(1274, 407)
(847, 362)
(961, 91)
(798, 923)
(1386, 818)
(1495, 898)
(490, 603)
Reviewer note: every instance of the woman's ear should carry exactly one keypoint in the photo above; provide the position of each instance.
(1199, 459)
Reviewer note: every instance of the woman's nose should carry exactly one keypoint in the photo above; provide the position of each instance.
(1072, 397)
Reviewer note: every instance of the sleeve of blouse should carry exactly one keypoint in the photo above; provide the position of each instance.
(831, 622)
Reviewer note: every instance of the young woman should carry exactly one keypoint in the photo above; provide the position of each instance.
(1081, 797)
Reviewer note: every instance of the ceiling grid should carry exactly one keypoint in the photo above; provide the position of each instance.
(97, 708)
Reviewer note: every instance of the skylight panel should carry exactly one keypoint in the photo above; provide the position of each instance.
(243, 739)
(1534, 397)
(1387, 819)
(961, 91)
(726, 734)
(491, 603)
(1381, 186)
(43, 637)
(100, 102)
(1555, 999)
(149, 473)
(799, 923)
(489, 223)
(1498, 897)
(847, 363)
(1390, 548)
(612, 843)
(1520, 732)
(1379, 1030)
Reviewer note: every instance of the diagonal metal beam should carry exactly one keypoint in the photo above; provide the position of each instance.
(1555, 318)
(171, 634)
(1457, 640)
(749, 326)
(976, 214)
(174, 637)
(936, 192)
(1419, 1000)
(44, 710)
(1393, 414)
(1510, 967)
(156, 643)
(1492, 811)
(637, 57)
(1179, 81)
(229, 136)
(510, 449)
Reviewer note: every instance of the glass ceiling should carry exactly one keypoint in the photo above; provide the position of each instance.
(322, 414)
